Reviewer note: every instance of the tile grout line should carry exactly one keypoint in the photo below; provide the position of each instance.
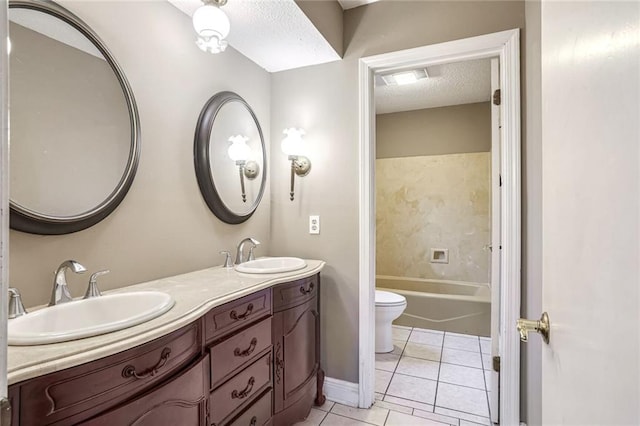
(435, 396)
(396, 367)
(484, 378)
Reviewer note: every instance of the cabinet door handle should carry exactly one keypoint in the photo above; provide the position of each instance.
(254, 421)
(279, 363)
(306, 291)
(243, 393)
(234, 315)
(248, 351)
(130, 370)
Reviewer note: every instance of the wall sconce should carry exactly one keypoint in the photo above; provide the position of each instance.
(240, 152)
(212, 26)
(292, 145)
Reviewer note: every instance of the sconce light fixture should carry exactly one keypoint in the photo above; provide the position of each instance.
(240, 152)
(212, 26)
(292, 145)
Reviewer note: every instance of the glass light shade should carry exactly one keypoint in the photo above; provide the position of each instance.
(212, 26)
(405, 78)
(239, 150)
(292, 144)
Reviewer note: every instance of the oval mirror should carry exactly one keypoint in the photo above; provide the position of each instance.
(229, 157)
(74, 122)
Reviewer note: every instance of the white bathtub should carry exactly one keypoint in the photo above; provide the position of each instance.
(456, 306)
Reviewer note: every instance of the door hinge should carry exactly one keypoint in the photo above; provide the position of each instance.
(5, 412)
(497, 97)
(500, 180)
(496, 364)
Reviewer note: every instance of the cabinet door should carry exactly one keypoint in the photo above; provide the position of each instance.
(181, 401)
(296, 363)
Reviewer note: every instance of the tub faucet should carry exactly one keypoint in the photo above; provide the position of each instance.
(60, 292)
(240, 251)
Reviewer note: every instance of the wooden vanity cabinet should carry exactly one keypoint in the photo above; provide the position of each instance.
(70, 396)
(298, 378)
(254, 361)
(180, 401)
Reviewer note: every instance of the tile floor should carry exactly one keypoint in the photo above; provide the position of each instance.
(431, 378)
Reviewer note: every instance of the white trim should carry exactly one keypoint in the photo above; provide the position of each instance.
(4, 195)
(367, 250)
(504, 45)
(341, 391)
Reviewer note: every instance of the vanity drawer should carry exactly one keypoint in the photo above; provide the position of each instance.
(238, 392)
(180, 401)
(294, 293)
(56, 398)
(231, 354)
(239, 313)
(259, 414)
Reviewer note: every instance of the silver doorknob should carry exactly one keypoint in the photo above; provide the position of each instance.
(541, 326)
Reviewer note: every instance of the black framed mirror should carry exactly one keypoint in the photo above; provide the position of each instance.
(75, 136)
(230, 157)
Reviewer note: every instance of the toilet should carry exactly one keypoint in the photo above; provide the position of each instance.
(389, 306)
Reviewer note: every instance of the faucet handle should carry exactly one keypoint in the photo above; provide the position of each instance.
(228, 263)
(16, 308)
(92, 290)
(251, 256)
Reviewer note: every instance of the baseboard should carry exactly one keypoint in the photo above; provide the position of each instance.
(341, 391)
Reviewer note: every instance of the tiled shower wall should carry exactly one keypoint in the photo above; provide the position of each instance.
(436, 201)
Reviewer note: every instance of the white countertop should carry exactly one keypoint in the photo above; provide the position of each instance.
(195, 294)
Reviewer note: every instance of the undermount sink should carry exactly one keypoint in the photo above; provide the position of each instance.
(85, 318)
(271, 265)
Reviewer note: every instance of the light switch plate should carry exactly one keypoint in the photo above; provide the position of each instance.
(314, 224)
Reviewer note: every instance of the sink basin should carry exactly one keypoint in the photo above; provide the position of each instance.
(90, 317)
(271, 265)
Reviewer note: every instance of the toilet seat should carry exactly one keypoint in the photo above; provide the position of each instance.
(387, 298)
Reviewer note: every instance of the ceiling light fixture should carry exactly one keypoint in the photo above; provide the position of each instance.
(404, 77)
(212, 26)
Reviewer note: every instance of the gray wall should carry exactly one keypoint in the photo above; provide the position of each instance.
(327, 17)
(323, 100)
(163, 227)
(454, 129)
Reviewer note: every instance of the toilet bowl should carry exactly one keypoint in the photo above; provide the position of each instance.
(389, 306)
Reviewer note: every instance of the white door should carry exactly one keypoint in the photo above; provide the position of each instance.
(590, 214)
(496, 201)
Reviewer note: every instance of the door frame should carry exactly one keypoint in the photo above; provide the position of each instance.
(4, 195)
(506, 46)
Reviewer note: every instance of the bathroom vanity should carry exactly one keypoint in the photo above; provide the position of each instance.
(246, 357)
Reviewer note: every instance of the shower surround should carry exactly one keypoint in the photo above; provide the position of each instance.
(435, 201)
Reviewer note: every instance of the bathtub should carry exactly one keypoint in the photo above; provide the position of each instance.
(456, 306)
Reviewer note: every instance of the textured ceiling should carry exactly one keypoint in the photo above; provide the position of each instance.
(449, 84)
(350, 4)
(275, 34)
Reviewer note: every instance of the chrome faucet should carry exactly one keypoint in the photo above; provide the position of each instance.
(240, 251)
(60, 292)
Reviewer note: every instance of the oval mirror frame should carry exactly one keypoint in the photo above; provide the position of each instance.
(202, 158)
(26, 220)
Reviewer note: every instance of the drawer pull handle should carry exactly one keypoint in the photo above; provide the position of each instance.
(234, 315)
(245, 392)
(130, 370)
(306, 291)
(248, 351)
(254, 421)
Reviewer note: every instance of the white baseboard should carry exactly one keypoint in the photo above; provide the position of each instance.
(341, 391)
